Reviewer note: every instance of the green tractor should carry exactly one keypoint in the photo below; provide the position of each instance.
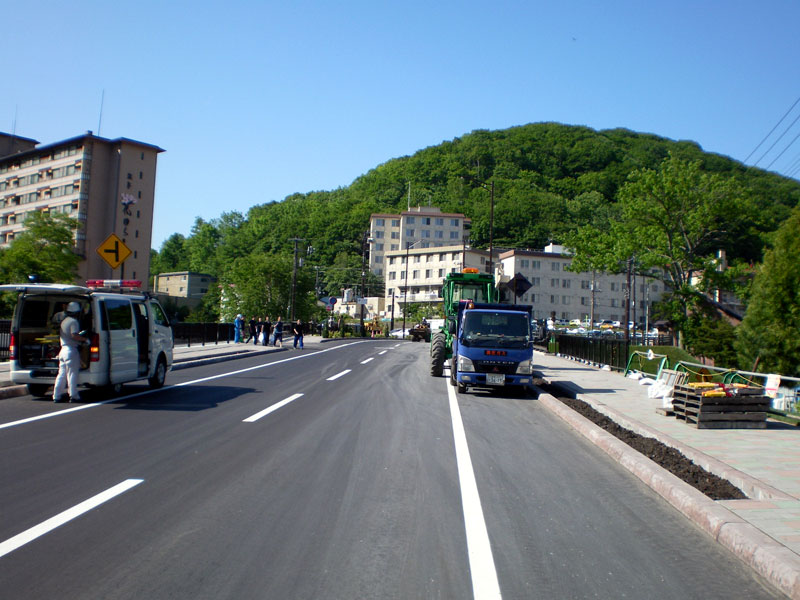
(467, 285)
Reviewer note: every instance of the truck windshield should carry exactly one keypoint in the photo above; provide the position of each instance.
(507, 330)
(475, 292)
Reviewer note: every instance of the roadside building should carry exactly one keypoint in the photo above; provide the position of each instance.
(415, 275)
(184, 284)
(107, 185)
(553, 288)
(419, 227)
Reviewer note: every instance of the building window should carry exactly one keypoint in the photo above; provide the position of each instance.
(379, 222)
(415, 274)
(439, 222)
(438, 234)
(391, 275)
(410, 221)
(426, 233)
(427, 273)
(453, 235)
(441, 272)
(409, 232)
(395, 222)
(454, 222)
(565, 283)
(555, 266)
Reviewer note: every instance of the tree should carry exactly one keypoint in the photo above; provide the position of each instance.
(45, 248)
(673, 220)
(768, 339)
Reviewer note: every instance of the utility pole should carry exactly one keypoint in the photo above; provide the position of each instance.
(294, 278)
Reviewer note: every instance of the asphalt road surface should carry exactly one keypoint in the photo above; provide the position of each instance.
(341, 472)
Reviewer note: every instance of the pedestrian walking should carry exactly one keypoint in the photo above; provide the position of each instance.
(237, 328)
(278, 333)
(297, 330)
(259, 332)
(69, 357)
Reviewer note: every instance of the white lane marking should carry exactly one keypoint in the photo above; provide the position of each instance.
(166, 387)
(50, 524)
(272, 408)
(382, 352)
(479, 550)
(370, 359)
(345, 372)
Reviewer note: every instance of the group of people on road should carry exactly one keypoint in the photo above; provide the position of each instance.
(265, 332)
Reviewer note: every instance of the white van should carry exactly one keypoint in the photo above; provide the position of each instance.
(130, 336)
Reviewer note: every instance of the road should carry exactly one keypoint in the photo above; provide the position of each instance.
(344, 471)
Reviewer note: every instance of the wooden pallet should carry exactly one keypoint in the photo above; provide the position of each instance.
(747, 409)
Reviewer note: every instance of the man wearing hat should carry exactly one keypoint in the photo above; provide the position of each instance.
(69, 358)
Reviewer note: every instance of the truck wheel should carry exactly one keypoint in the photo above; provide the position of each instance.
(160, 375)
(38, 390)
(462, 388)
(437, 356)
(453, 380)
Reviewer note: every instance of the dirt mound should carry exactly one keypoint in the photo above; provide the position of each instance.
(669, 458)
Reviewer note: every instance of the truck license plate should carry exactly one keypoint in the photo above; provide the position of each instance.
(495, 379)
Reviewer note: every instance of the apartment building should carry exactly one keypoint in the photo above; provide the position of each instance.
(574, 295)
(419, 227)
(415, 275)
(184, 284)
(107, 185)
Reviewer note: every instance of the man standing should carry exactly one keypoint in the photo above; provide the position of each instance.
(278, 333)
(297, 330)
(253, 331)
(69, 357)
(237, 329)
(267, 329)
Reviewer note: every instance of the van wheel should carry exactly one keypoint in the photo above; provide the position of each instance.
(160, 375)
(39, 390)
(115, 389)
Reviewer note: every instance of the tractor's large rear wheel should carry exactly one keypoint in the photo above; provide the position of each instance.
(438, 352)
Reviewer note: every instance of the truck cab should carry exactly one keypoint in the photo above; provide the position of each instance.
(492, 346)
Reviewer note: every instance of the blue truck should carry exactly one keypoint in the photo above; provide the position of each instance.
(492, 346)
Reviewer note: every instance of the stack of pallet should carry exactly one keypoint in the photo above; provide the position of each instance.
(718, 406)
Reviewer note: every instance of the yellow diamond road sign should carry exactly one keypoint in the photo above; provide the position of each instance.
(114, 251)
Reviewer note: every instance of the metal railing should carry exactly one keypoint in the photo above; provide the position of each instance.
(597, 350)
(201, 334)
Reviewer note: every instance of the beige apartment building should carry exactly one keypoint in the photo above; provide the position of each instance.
(577, 295)
(418, 227)
(184, 284)
(415, 275)
(107, 185)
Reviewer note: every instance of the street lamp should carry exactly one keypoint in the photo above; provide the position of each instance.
(365, 241)
(405, 294)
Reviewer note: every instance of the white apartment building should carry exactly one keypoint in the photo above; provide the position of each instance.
(420, 227)
(184, 284)
(575, 295)
(107, 185)
(415, 275)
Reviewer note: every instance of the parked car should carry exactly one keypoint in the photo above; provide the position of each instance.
(130, 335)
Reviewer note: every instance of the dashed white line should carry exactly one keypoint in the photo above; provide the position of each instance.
(272, 408)
(479, 550)
(36, 531)
(333, 378)
(371, 358)
(167, 387)
(382, 352)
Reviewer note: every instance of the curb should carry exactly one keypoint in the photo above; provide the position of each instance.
(189, 362)
(769, 558)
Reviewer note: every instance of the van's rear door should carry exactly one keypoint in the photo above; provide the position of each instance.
(124, 347)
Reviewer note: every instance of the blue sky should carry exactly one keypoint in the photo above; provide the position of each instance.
(254, 101)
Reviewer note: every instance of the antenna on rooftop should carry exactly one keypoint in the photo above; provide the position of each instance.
(100, 120)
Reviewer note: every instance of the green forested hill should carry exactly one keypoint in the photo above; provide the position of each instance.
(548, 178)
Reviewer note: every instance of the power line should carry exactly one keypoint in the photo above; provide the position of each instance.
(780, 137)
(785, 149)
(772, 130)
